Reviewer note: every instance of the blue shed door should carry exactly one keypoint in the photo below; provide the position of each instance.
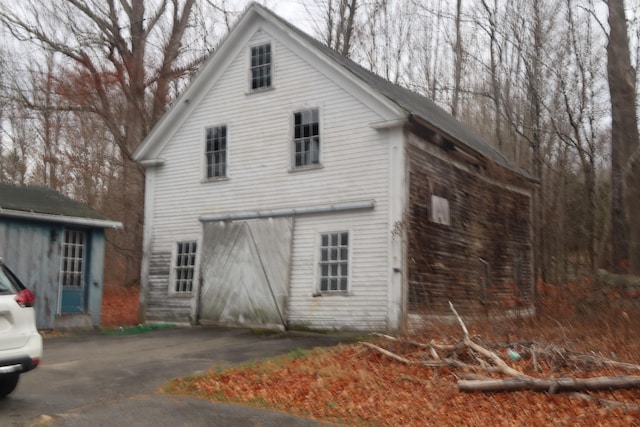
(72, 272)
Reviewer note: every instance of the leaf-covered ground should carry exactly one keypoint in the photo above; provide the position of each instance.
(358, 386)
(119, 306)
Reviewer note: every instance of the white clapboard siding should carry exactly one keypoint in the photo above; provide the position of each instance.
(354, 156)
(365, 306)
(355, 167)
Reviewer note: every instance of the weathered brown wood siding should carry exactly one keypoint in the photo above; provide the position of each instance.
(161, 306)
(483, 257)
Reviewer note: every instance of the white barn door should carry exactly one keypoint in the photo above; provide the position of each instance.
(245, 271)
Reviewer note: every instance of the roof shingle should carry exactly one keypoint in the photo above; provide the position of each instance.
(43, 200)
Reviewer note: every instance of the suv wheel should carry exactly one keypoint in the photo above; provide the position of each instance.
(8, 383)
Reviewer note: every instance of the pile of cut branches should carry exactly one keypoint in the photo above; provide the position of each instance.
(484, 368)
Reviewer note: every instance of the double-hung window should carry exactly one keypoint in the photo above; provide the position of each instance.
(306, 138)
(216, 152)
(261, 67)
(184, 267)
(334, 262)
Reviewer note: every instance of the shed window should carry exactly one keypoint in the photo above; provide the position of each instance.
(216, 152)
(306, 138)
(334, 262)
(73, 258)
(440, 210)
(261, 67)
(184, 267)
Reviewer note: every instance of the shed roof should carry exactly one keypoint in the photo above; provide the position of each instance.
(43, 203)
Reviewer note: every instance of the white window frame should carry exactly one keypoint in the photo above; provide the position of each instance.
(77, 271)
(295, 140)
(320, 262)
(208, 178)
(173, 275)
(250, 66)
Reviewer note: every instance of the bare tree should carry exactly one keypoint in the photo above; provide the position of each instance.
(579, 128)
(458, 55)
(128, 56)
(338, 24)
(624, 141)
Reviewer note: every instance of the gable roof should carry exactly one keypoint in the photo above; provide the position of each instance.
(45, 204)
(410, 103)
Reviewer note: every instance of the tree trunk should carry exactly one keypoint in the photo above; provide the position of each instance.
(632, 201)
(549, 385)
(624, 131)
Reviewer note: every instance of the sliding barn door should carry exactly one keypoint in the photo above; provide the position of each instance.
(245, 271)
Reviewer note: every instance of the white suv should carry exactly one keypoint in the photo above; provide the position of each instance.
(20, 342)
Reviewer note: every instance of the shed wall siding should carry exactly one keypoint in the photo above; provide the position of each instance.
(29, 251)
(355, 167)
(490, 221)
(33, 250)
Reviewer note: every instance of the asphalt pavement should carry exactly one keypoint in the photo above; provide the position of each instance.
(115, 380)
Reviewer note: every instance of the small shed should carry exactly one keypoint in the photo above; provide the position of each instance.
(55, 245)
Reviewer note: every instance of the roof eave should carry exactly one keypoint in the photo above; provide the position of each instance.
(62, 219)
(461, 146)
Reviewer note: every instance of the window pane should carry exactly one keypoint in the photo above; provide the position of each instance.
(216, 154)
(184, 267)
(261, 66)
(306, 136)
(334, 262)
(72, 265)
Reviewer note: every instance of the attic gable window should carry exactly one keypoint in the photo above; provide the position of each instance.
(306, 138)
(216, 152)
(261, 67)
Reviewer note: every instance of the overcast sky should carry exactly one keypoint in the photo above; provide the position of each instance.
(293, 11)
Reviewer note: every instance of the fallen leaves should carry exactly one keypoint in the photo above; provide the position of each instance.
(352, 385)
(357, 386)
(119, 306)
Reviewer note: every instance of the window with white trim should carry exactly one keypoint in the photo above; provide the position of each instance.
(216, 152)
(184, 267)
(73, 258)
(334, 262)
(261, 67)
(306, 138)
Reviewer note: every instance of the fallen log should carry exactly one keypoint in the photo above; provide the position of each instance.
(387, 353)
(554, 385)
(500, 364)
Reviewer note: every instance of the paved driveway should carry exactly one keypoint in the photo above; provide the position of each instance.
(107, 380)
